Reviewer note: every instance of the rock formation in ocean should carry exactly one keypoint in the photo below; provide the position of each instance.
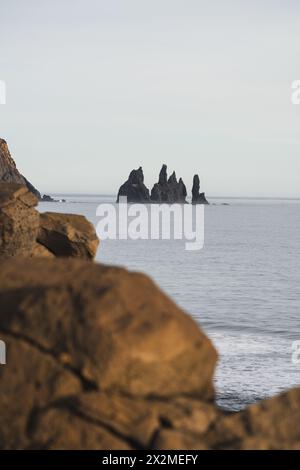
(99, 358)
(170, 190)
(25, 232)
(10, 174)
(197, 197)
(134, 188)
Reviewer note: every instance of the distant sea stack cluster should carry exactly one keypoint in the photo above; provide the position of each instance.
(166, 190)
(9, 172)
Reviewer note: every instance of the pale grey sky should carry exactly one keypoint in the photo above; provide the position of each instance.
(98, 87)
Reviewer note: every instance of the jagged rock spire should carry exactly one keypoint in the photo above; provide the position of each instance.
(197, 197)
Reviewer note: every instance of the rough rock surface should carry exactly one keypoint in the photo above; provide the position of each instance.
(170, 190)
(93, 352)
(134, 188)
(9, 172)
(68, 235)
(100, 358)
(197, 197)
(24, 232)
(19, 221)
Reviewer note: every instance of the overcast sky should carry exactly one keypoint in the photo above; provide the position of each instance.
(98, 87)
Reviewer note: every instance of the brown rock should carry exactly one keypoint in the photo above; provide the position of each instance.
(40, 251)
(113, 326)
(271, 424)
(79, 334)
(19, 221)
(9, 172)
(100, 358)
(68, 235)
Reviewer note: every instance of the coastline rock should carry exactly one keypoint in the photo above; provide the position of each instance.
(93, 354)
(19, 221)
(134, 188)
(47, 198)
(197, 197)
(99, 358)
(67, 235)
(9, 172)
(24, 232)
(169, 191)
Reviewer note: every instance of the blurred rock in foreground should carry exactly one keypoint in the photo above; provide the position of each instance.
(100, 358)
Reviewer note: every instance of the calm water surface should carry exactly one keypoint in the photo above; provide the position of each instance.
(243, 288)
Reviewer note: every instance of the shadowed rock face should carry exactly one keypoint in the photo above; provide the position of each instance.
(100, 358)
(24, 232)
(67, 235)
(9, 172)
(134, 188)
(170, 190)
(197, 197)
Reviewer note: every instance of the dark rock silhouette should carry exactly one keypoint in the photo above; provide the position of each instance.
(197, 197)
(134, 188)
(170, 190)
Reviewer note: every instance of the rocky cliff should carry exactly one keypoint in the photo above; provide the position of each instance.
(10, 174)
(100, 358)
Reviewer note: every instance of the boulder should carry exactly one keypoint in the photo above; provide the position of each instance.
(19, 221)
(197, 197)
(134, 188)
(92, 354)
(272, 424)
(24, 232)
(99, 358)
(68, 235)
(169, 191)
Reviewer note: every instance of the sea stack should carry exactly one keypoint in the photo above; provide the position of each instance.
(197, 197)
(134, 188)
(170, 190)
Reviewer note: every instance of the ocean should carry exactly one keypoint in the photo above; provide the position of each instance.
(243, 287)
